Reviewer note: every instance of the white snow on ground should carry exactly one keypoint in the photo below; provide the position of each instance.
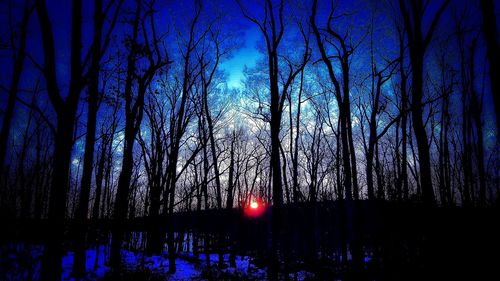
(92, 274)
(159, 264)
(20, 262)
(244, 268)
(186, 270)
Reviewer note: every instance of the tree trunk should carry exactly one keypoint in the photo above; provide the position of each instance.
(66, 115)
(466, 121)
(419, 128)
(404, 123)
(120, 211)
(418, 42)
(352, 150)
(443, 153)
(475, 112)
(369, 172)
(88, 158)
(52, 255)
(493, 52)
(231, 181)
(26, 191)
(99, 178)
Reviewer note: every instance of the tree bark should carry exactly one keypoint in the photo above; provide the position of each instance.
(120, 211)
(177, 136)
(66, 115)
(493, 52)
(418, 43)
(88, 158)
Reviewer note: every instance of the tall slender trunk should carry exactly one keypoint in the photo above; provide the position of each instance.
(344, 61)
(444, 153)
(475, 112)
(493, 52)
(294, 141)
(88, 158)
(345, 156)
(352, 149)
(372, 138)
(339, 189)
(418, 41)
(23, 185)
(213, 151)
(465, 98)
(230, 195)
(38, 180)
(379, 173)
(273, 33)
(120, 211)
(402, 185)
(277, 189)
(52, 256)
(343, 112)
(178, 134)
(369, 172)
(99, 180)
(480, 158)
(103, 162)
(231, 181)
(404, 135)
(419, 128)
(66, 115)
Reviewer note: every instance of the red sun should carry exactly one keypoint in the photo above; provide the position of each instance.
(254, 205)
(254, 209)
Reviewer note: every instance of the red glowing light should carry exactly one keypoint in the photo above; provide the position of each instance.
(254, 208)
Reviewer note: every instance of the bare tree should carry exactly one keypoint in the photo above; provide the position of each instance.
(344, 50)
(66, 110)
(445, 88)
(379, 78)
(154, 154)
(272, 27)
(178, 127)
(98, 49)
(418, 41)
(107, 133)
(148, 49)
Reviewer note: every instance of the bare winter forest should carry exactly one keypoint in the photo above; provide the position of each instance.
(249, 140)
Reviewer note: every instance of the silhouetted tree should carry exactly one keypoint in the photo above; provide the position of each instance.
(98, 49)
(137, 83)
(418, 42)
(65, 109)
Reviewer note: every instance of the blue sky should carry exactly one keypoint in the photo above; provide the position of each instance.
(247, 56)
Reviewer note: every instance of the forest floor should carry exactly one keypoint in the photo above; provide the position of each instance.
(19, 261)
